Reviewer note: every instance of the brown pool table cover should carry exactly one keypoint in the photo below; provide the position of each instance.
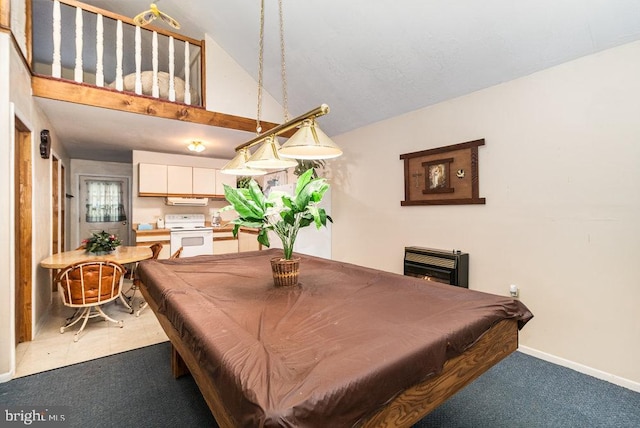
(326, 353)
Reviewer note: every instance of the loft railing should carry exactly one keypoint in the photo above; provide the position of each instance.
(79, 42)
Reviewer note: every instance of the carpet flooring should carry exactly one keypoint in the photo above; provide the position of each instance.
(136, 389)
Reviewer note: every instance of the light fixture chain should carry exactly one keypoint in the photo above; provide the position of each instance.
(260, 68)
(283, 68)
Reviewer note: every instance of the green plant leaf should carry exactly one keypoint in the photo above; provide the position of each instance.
(288, 217)
(245, 207)
(314, 190)
(303, 180)
(256, 195)
(263, 237)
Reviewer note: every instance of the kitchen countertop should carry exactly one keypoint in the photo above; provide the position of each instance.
(225, 227)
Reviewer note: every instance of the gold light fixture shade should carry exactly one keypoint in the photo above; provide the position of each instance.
(309, 142)
(266, 157)
(196, 146)
(238, 165)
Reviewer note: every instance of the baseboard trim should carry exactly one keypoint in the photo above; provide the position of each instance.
(598, 374)
(6, 377)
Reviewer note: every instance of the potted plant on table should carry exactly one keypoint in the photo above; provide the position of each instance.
(282, 213)
(101, 243)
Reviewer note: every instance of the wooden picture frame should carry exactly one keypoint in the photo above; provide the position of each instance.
(276, 178)
(443, 176)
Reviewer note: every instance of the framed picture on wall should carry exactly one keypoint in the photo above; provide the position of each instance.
(438, 176)
(273, 179)
(443, 176)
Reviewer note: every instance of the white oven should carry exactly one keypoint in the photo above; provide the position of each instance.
(189, 232)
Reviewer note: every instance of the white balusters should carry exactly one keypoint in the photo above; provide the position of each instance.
(138, 49)
(105, 45)
(56, 67)
(187, 87)
(155, 90)
(99, 51)
(77, 75)
(172, 89)
(119, 83)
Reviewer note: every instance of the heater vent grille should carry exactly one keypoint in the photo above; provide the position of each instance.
(449, 267)
(430, 260)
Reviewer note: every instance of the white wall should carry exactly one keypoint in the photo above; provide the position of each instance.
(7, 262)
(560, 171)
(230, 89)
(16, 101)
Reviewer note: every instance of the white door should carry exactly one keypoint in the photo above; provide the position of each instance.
(104, 205)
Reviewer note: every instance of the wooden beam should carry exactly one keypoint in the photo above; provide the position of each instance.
(5, 14)
(85, 94)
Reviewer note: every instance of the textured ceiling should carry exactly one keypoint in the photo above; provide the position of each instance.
(371, 60)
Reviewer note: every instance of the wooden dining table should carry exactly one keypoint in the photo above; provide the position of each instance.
(122, 254)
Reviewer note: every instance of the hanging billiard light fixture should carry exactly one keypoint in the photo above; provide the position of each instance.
(309, 142)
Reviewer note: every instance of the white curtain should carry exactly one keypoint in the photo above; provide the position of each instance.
(104, 202)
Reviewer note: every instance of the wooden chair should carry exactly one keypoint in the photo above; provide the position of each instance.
(176, 255)
(87, 286)
(144, 305)
(127, 298)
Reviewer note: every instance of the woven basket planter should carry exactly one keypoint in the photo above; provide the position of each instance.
(285, 272)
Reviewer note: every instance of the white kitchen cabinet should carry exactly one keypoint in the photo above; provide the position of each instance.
(204, 181)
(179, 180)
(147, 238)
(222, 179)
(152, 179)
(224, 242)
(248, 240)
(185, 181)
(225, 246)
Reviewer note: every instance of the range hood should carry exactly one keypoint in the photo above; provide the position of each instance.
(187, 202)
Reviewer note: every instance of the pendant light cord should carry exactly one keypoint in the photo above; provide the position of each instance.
(283, 68)
(260, 68)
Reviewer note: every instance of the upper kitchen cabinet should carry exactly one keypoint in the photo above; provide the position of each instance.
(179, 180)
(204, 182)
(222, 179)
(183, 181)
(152, 179)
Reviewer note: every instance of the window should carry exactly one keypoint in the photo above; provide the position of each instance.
(104, 201)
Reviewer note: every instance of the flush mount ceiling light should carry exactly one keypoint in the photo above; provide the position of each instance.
(308, 143)
(196, 146)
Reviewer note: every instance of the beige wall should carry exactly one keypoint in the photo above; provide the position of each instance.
(7, 272)
(560, 171)
(232, 90)
(16, 101)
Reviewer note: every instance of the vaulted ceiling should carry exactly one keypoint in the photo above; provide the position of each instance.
(371, 60)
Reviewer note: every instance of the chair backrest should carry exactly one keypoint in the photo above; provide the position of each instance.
(90, 283)
(156, 249)
(176, 255)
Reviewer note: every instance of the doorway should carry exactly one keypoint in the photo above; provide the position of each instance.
(58, 219)
(104, 205)
(23, 232)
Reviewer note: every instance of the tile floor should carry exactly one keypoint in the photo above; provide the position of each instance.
(100, 338)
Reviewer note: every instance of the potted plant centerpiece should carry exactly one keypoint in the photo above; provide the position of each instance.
(282, 213)
(101, 243)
